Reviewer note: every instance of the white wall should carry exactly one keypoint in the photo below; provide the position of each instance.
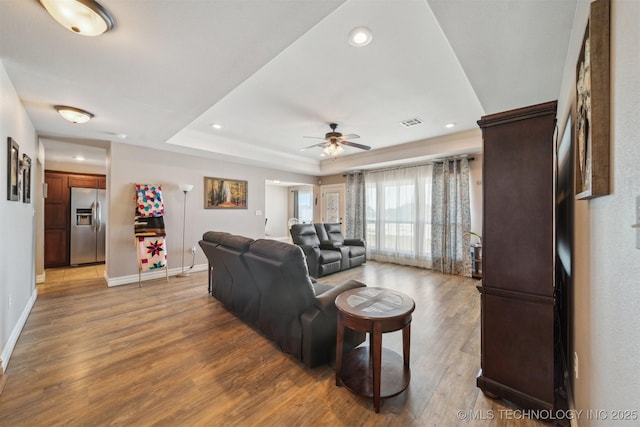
(606, 315)
(131, 164)
(276, 209)
(17, 224)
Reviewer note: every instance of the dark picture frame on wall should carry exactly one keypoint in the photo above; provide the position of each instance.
(26, 178)
(223, 193)
(13, 170)
(592, 123)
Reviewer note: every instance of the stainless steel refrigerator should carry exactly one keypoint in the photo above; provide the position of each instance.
(88, 220)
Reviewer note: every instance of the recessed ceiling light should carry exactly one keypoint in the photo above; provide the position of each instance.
(79, 158)
(84, 17)
(360, 36)
(449, 125)
(216, 126)
(73, 114)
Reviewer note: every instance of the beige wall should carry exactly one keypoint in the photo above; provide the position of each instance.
(131, 164)
(17, 223)
(606, 319)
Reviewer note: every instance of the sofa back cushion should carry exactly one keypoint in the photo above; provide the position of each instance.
(280, 272)
(321, 232)
(214, 236)
(232, 283)
(304, 234)
(334, 232)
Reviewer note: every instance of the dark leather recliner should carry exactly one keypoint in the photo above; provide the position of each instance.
(357, 252)
(266, 283)
(322, 259)
(326, 250)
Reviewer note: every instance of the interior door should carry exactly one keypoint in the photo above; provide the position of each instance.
(332, 203)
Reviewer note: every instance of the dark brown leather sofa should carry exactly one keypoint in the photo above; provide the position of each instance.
(266, 284)
(327, 251)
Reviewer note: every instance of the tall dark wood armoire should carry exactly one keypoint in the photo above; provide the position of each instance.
(517, 292)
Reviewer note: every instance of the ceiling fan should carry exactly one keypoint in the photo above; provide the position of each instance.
(333, 141)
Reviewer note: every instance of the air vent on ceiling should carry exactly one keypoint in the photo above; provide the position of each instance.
(411, 122)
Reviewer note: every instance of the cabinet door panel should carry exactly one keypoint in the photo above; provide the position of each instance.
(56, 252)
(518, 344)
(56, 187)
(55, 216)
(83, 181)
(518, 198)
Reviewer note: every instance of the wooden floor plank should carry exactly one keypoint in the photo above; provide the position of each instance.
(169, 354)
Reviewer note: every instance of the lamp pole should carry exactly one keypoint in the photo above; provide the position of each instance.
(185, 189)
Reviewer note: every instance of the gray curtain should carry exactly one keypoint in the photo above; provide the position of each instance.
(451, 217)
(354, 221)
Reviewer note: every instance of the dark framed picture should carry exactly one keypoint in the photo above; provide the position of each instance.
(26, 178)
(222, 193)
(13, 170)
(592, 123)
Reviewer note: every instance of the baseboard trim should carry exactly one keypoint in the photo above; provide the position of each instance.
(150, 275)
(17, 330)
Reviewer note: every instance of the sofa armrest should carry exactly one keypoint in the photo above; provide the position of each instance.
(330, 244)
(319, 326)
(326, 300)
(312, 253)
(354, 242)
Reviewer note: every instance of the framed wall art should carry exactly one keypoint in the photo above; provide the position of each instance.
(222, 193)
(592, 106)
(26, 178)
(13, 170)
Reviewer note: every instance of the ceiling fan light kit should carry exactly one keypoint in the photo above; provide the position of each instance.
(84, 17)
(334, 141)
(72, 114)
(333, 150)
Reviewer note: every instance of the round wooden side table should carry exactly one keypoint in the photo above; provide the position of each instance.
(374, 372)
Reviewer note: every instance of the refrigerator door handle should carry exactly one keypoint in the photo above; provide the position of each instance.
(93, 216)
(98, 216)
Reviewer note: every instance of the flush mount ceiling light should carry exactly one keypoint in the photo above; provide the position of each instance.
(450, 125)
(84, 17)
(360, 36)
(72, 114)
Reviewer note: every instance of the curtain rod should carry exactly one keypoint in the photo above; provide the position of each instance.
(415, 165)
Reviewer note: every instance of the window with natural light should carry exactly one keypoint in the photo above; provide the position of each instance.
(398, 215)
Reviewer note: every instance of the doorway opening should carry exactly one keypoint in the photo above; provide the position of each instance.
(71, 165)
(287, 203)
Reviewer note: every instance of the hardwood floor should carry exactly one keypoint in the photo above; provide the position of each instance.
(170, 354)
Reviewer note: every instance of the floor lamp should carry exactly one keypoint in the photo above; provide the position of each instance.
(185, 188)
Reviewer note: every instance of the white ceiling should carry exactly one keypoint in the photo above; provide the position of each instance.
(273, 71)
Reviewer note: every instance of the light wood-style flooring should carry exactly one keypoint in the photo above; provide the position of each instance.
(169, 354)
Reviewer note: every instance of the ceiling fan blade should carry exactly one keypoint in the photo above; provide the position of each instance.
(314, 145)
(350, 136)
(314, 137)
(356, 145)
